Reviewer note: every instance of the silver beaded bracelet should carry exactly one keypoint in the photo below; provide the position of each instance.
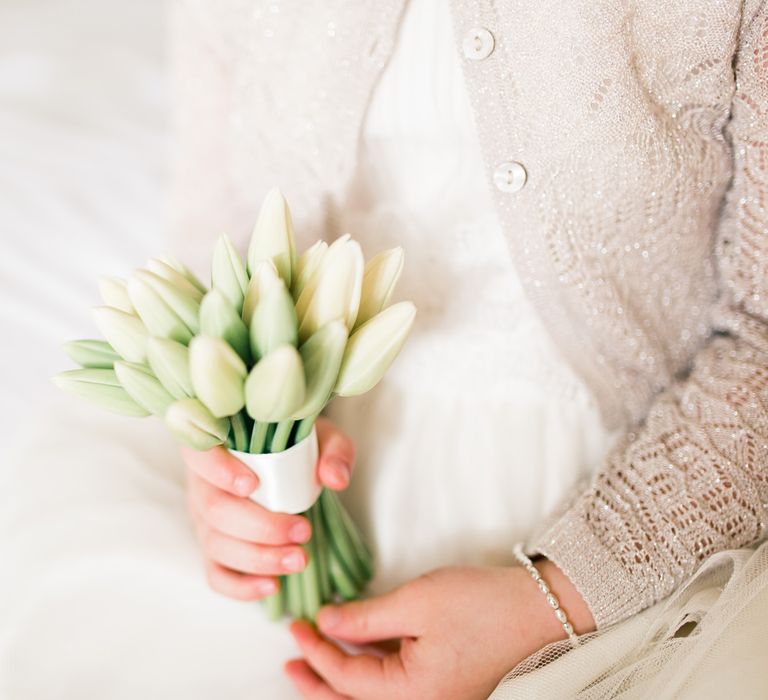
(554, 603)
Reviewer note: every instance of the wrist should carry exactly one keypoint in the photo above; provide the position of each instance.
(575, 607)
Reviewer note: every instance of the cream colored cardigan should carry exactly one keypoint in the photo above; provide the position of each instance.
(640, 231)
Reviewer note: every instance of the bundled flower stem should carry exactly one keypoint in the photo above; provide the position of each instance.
(252, 362)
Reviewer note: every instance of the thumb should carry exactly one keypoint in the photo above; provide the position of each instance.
(386, 617)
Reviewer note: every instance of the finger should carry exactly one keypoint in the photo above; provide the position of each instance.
(308, 683)
(244, 519)
(240, 586)
(337, 455)
(221, 469)
(385, 617)
(359, 676)
(250, 558)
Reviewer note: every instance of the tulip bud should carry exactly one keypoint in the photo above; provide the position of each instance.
(335, 291)
(100, 386)
(379, 279)
(218, 375)
(169, 361)
(124, 332)
(321, 355)
(219, 319)
(272, 237)
(275, 388)
(114, 294)
(96, 354)
(274, 320)
(307, 266)
(263, 277)
(143, 387)
(185, 281)
(158, 317)
(183, 270)
(181, 301)
(373, 347)
(192, 424)
(228, 272)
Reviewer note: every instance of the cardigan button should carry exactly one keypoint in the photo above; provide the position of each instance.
(509, 176)
(478, 44)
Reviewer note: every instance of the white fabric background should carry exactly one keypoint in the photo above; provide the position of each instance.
(99, 597)
(82, 174)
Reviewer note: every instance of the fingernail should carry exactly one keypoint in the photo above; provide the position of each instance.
(293, 562)
(328, 618)
(300, 532)
(341, 468)
(267, 587)
(245, 484)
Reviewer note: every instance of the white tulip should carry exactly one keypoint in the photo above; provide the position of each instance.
(218, 375)
(228, 272)
(321, 355)
(275, 388)
(95, 354)
(99, 386)
(158, 317)
(169, 361)
(274, 320)
(264, 277)
(335, 291)
(192, 423)
(183, 303)
(114, 294)
(189, 284)
(183, 270)
(219, 319)
(373, 347)
(143, 387)
(272, 237)
(124, 332)
(379, 279)
(307, 266)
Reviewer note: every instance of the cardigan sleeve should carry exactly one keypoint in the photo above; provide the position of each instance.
(692, 479)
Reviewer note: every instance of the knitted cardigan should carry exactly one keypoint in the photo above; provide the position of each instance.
(640, 233)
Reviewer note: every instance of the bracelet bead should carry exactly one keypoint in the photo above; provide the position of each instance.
(551, 598)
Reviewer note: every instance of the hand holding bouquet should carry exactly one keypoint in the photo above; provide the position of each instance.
(251, 363)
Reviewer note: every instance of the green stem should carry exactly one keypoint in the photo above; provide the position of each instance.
(239, 432)
(310, 581)
(280, 438)
(275, 604)
(293, 597)
(258, 438)
(305, 427)
(320, 536)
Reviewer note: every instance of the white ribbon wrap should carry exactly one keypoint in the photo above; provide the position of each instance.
(287, 480)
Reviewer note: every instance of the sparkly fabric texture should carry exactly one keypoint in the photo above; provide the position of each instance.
(641, 235)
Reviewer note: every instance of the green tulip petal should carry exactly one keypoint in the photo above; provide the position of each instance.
(219, 319)
(143, 387)
(322, 355)
(275, 387)
(193, 424)
(125, 332)
(218, 375)
(96, 354)
(169, 361)
(373, 347)
(101, 387)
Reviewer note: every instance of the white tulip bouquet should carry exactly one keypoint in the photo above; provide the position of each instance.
(251, 363)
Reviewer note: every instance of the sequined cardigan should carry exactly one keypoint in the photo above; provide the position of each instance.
(627, 146)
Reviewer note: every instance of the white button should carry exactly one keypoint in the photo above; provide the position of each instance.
(478, 44)
(510, 176)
